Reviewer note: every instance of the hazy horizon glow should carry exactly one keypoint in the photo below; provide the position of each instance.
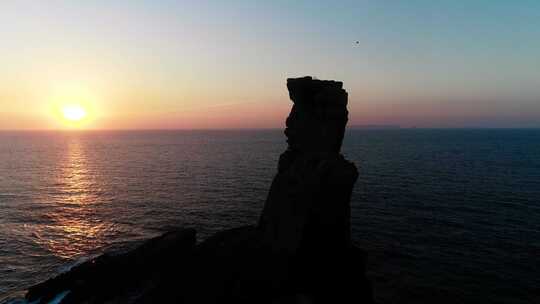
(190, 65)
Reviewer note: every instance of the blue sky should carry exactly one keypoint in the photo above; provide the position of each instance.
(180, 64)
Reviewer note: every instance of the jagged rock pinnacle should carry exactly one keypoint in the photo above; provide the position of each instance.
(308, 206)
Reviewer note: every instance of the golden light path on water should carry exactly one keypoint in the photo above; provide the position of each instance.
(74, 227)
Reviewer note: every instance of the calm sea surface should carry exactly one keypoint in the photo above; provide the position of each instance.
(444, 215)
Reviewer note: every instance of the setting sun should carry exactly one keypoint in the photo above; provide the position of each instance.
(73, 113)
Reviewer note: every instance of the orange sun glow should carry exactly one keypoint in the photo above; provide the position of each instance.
(74, 113)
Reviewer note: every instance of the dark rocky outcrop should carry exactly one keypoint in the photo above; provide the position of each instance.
(119, 277)
(308, 207)
(300, 251)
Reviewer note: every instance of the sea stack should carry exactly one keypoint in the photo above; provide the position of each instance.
(308, 206)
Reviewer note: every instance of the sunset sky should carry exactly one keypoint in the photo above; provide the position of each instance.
(197, 64)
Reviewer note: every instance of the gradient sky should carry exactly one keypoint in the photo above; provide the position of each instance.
(179, 64)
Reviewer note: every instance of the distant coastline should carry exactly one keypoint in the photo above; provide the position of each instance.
(375, 127)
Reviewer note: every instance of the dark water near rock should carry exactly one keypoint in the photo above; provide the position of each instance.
(444, 215)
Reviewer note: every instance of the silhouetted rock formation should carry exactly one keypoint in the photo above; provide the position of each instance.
(300, 252)
(308, 206)
(119, 277)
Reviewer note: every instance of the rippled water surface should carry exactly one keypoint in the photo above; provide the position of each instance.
(444, 215)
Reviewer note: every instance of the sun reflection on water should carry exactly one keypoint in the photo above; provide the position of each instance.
(74, 226)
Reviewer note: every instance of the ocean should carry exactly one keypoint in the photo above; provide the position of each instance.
(444, 215)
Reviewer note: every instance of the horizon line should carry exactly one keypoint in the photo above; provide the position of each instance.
(374, 128)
